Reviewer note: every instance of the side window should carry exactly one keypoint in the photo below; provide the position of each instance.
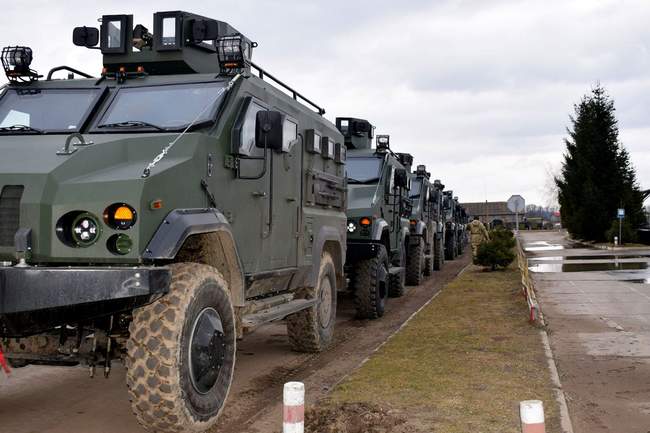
(247, 131)
(289, 134)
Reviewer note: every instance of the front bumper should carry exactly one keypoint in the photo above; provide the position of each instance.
(35, 299)
(357, 251)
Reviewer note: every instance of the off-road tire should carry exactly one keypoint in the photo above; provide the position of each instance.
(397, 287)
(415, 263)
(370, 292)
(450, 250)
(438, 254)
(311, 330)
(163, 396)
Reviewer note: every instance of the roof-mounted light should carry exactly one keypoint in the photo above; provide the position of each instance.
(234, 54)
(16, 61)
(383, 143)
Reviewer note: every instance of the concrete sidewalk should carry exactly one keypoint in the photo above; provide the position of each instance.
(597, 307)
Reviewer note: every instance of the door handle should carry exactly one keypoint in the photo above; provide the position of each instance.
(291, 199)
(259, 194)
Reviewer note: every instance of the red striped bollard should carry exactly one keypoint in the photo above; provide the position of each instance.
(294, 408)
(532, 416)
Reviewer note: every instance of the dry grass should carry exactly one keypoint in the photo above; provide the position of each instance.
(463, 363)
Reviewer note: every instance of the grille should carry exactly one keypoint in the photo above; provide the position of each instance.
(10, 213)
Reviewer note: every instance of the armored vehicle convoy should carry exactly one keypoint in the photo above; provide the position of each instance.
(158, 212)
(378, 211)
(427, 228)
(455, 226)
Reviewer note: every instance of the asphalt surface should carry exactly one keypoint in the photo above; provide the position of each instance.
(66, 400)
(597, 307)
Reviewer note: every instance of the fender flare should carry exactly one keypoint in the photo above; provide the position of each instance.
(420, 227)
(326, 234)
(180, 224)
(378, 228)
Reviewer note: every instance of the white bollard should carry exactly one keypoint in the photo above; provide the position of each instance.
(532, 416)
(293, 417)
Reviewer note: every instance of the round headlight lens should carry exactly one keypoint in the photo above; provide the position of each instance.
(120, 244)
(352, 227)
(85, 230)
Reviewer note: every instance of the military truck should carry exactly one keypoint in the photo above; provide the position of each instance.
(378, 211)
(452, 228)
(158, 212)
(427, 228)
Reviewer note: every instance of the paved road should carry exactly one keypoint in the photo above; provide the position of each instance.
(597, 306)
(65, 400)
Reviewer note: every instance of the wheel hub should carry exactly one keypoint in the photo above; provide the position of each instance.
(207, 350)
(325, 304)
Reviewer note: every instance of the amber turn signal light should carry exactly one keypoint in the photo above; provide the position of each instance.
(365, 222)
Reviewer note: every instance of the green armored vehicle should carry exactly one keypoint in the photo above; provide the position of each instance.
(158, 212)
(426, 249)
(378, 225)
(455, 224)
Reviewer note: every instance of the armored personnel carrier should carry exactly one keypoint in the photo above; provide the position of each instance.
(378, 211)
(455, 226)
(427, 228)
(158, 212)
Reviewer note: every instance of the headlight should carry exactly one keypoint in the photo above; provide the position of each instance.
(78, 229)
(352, 227)
(120, 216)
(120, 244)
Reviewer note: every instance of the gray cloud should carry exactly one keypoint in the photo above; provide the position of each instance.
(479, 91)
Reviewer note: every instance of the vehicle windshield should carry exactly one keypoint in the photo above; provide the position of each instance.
(363, 170)
(45, 110)
(163, 107)
(416, 184)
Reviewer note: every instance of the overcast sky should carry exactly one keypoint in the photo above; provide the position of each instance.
(479, 91)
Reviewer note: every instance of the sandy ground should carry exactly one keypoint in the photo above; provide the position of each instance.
(599, 328)
(66, 400)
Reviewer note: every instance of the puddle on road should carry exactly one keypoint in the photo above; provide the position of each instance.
(586, 267)
(542, 246)
(601, 257)
(639, 281)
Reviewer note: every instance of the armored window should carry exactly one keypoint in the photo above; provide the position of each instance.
(289, 134)
(313, 141)
(328, 148)
(363, 170)
(246, 129)
(49, 110)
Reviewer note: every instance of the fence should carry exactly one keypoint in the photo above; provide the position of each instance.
(527, 284)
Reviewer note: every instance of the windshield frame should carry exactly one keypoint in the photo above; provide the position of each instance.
(83, 121)
(209, 121)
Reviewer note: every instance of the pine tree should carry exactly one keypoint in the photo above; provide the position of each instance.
(597, 176)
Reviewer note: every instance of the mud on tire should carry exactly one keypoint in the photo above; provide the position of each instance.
(415, 263)
(371, 282)
(181, 352)
(311, 330)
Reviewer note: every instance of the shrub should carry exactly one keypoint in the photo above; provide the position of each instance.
(498, 251)
(627, 232)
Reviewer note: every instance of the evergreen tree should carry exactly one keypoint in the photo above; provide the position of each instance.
(597, 177)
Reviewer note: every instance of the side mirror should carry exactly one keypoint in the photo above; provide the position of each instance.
(85, 36)
(269, 127)
(401, 178)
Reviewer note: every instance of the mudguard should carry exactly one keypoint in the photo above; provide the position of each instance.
(180, 224)
(326, 234)
(378, 228)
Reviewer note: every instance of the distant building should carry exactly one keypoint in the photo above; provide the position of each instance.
(492, 213)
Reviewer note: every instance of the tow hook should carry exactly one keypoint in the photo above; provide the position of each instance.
(3, 363)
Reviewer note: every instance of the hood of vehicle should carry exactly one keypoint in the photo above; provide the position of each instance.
(90, 179)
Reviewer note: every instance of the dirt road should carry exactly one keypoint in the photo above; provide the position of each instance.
(597, 306)
(65, 400)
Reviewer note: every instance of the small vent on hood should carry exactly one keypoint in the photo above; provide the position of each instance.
(10, 213)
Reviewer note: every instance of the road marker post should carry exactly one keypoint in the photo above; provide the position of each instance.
(293, 414)
(531, 413)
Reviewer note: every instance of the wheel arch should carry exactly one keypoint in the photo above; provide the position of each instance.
(328, 239)
(201, 236)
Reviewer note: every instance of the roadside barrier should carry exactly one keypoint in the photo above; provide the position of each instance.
(531, 413)
(293, 417)
(527, 283)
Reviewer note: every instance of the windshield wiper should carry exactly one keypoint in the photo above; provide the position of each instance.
(21, 128)
(132, 124)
